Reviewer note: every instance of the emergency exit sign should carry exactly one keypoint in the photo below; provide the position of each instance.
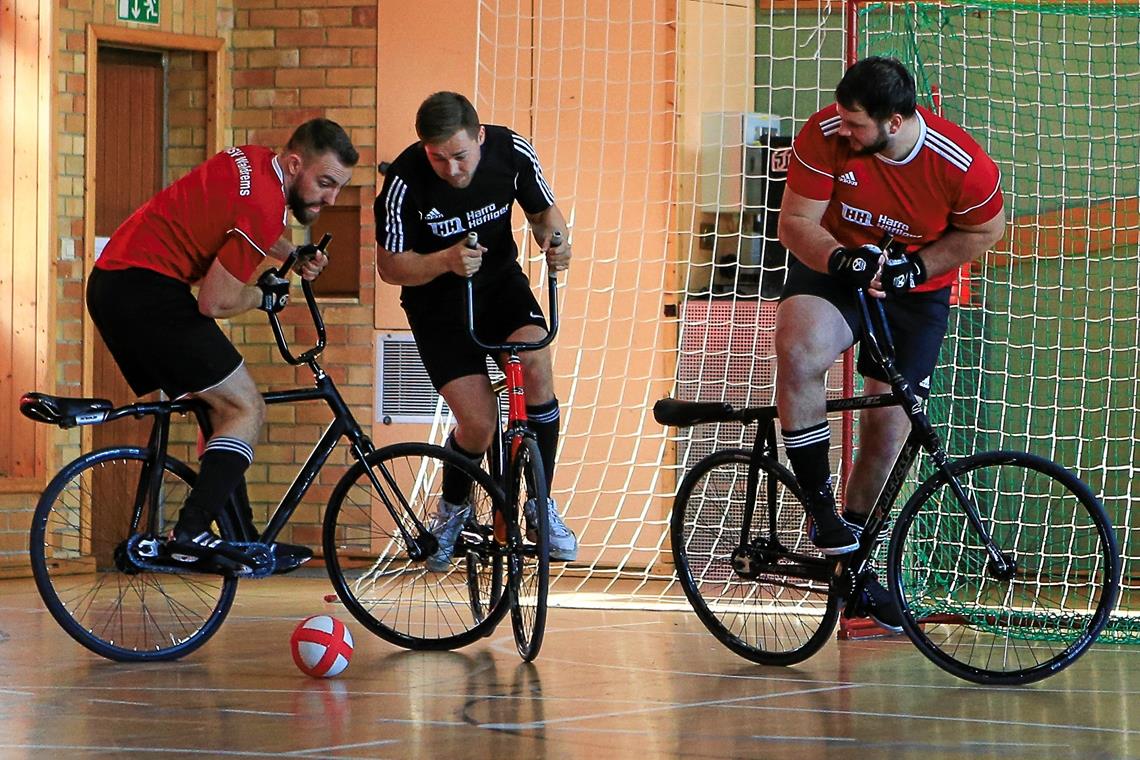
(140, 11)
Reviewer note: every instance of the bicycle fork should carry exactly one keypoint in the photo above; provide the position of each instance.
(1002, 565)
(512, 436)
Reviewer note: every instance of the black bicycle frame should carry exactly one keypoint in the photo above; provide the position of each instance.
(922, 436)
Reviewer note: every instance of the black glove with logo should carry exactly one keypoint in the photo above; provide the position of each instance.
(902, 272)
(856, 265)
(274, 291)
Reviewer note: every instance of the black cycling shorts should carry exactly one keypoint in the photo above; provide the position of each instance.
(157, 336)
(502, 305)
(917, 322)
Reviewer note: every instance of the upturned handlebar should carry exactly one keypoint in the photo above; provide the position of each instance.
(552, 288)
(310, 299)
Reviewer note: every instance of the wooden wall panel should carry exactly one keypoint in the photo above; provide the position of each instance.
(25, 245)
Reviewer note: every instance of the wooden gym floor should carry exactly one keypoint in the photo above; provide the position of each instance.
(607, 684)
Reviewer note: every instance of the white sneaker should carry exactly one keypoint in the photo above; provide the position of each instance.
(563, 543)
(445, 525)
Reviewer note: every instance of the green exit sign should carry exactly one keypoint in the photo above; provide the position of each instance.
(141, 11)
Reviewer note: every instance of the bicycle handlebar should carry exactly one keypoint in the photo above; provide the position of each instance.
(552, 286)
(314, 311)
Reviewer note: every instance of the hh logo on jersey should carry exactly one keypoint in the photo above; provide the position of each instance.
(857, 216)
(446, 228)
(848, 178)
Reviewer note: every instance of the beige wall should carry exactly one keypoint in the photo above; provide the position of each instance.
(717, 72)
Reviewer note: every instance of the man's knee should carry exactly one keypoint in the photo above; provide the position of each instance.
(800, 361)
(539, 378)
(237, 400)
(475, 435)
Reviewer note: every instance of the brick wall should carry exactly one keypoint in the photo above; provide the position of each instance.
(293, 62)
(287, 62)
(69, 104)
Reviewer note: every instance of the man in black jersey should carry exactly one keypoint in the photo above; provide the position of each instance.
(464, 176)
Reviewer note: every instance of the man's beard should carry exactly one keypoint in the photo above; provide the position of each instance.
(300, 208)
(875, 147)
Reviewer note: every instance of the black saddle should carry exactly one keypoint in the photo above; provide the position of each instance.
(63, 411)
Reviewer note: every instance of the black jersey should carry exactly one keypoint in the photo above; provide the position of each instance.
(417, 211)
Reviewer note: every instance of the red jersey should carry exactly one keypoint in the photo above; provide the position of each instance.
(230, 208)
(946, 179)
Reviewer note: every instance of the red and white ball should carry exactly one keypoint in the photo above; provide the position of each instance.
(322, 646)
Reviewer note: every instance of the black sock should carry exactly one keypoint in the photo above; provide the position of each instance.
(457, 486)
(222, 468)
(546, 422)
(807, 451)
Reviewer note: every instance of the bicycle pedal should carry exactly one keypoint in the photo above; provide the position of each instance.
(263, 557)
(146, 552)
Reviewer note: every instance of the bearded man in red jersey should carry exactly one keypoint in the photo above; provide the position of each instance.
(871, 165)
(213, 227)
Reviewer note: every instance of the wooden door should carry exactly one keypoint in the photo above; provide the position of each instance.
(128, 165)
(128, 171)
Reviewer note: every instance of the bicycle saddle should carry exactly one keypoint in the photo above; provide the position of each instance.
(670, 411)
(63, 411)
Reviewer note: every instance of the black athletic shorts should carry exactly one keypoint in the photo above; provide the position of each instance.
(502, 305)
(159, 339)
(917, 322)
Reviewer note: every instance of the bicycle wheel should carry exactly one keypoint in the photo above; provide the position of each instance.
(79, 532)
(768, 601)
(995, 627)
(528, 561)
(392, 595)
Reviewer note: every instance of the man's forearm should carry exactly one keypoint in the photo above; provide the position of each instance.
(410, 268)
(809, 241)
(954, 249)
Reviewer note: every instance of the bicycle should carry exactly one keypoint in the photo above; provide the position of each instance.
(97, 553)
(515, 465)
(1004, 564)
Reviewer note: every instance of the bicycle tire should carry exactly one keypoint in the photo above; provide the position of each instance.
(775, 617)
(981, 627)
(127, 616)
(528, 561)
(390, 594)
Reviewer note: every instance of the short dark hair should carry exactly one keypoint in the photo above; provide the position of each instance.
(443, 114)
(878, 85)
(318, 136)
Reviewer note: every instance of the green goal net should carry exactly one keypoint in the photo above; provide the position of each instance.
(1043, 350)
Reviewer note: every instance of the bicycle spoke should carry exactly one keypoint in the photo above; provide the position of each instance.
(1006, 627)
(768, 614)
(78, 527)
(395, 596)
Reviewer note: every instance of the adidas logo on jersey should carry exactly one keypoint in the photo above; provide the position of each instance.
(433, 214)
(848, 178)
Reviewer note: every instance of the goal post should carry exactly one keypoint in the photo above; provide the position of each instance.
(660, 126)
(1044, 357)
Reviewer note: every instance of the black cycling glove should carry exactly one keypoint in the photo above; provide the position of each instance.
(902, 272)
(856, 265)
(274, 291)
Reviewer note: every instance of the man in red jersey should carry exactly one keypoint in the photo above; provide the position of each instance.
(870, 165)
(213, 227)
